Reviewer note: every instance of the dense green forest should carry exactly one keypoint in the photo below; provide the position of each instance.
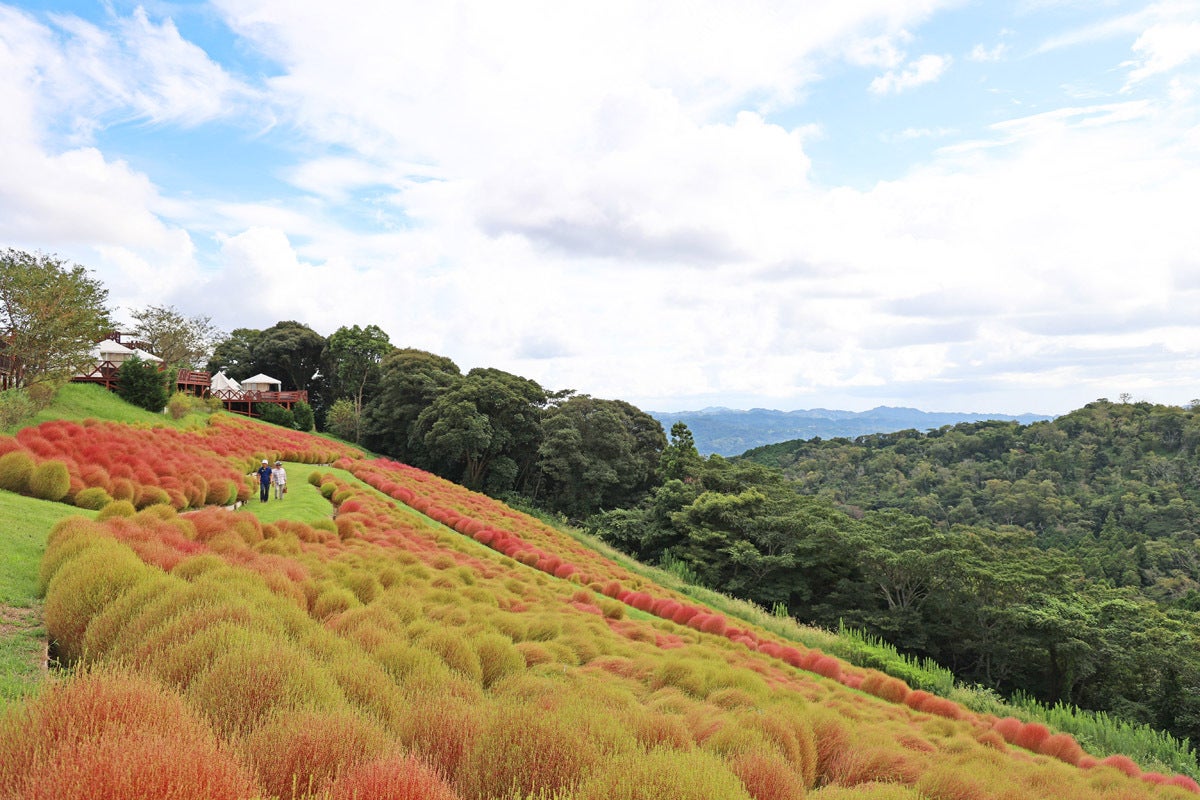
(1114, 484)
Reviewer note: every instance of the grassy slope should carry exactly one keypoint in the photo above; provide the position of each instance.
(24, 524)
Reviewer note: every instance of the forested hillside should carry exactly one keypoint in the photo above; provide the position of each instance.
(1114, 484)
(1088, 601)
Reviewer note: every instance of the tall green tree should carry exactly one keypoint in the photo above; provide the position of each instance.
(291, 352)
(51, 315)
(409, 381)
(234, 354)
(352, 357)
(180, 341)
(485, 430)
(597, 454)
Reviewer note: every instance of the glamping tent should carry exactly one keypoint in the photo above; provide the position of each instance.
(262, 383)
(223, 386)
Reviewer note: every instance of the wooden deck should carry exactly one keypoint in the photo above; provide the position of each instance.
(242, 402)
(199, 384)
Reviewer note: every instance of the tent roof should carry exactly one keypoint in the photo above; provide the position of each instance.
(223, 381)
(260, 378)
(109, 346)
(146, 356)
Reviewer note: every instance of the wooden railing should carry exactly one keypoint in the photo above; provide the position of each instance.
(187, 377)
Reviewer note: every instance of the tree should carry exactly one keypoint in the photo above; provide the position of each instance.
(352, 356)
(143, 384)
(235, 354)
(597, 454)
(276, 414)
(51, 315)
(303, 414)
(409, 381)
(183, 342)
(290, 351)
(681, 459)
(342, 420)
(485, 430)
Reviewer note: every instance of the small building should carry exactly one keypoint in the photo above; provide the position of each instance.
(262, 383)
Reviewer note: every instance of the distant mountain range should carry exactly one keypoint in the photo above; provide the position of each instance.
(731, 432)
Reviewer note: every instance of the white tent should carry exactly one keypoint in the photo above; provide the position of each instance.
(223, 383)
(262, 383)
(146, 356)
(117, 353)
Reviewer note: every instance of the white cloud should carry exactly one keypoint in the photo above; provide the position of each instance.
(984, 54)
(1164, 47)
(608, 198)
(926, 69)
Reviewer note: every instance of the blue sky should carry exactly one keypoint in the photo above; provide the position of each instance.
(952, 205)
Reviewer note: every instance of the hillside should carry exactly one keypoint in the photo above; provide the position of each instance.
(384, 633)
(731, 432)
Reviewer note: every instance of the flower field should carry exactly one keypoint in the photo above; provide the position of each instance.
(424, 641)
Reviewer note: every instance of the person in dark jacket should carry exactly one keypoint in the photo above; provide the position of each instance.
(264, 481)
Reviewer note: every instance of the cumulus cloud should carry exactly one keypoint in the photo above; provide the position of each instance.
(925, 69)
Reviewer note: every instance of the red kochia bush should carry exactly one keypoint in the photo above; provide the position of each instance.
(297, 752)
(828, 666)
(109, 736)
(395, 778)
(1031, 736)
(1123, 763)
(1063, 747)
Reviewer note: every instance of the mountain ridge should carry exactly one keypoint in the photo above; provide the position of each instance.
(729, 432)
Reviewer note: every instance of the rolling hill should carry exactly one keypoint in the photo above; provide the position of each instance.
(384, 633)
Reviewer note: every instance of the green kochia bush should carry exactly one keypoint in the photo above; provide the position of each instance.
(94, 498)
(50, 480)
(15, 470)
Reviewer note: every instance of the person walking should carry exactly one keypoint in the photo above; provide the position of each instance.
(264, 481)
(279, 476)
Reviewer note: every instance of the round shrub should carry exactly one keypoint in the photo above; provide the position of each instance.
(294, 752)
(221, 492)
(94, 498)
(83, 586)
(117, 508)
(400, 777)
(663, 772)
(15, 470)
(123, 489)
(152, 495)
(108, 735)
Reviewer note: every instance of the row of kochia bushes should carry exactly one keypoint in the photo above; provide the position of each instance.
(90, 464)
(470, 513)
(380, 656)
(377, 646)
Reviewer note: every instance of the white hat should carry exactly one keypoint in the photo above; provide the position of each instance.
(264, 461)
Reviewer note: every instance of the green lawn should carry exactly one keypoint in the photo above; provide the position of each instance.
(303, 502)
(24, 526)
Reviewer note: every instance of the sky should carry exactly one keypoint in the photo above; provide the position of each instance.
(955, 206)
